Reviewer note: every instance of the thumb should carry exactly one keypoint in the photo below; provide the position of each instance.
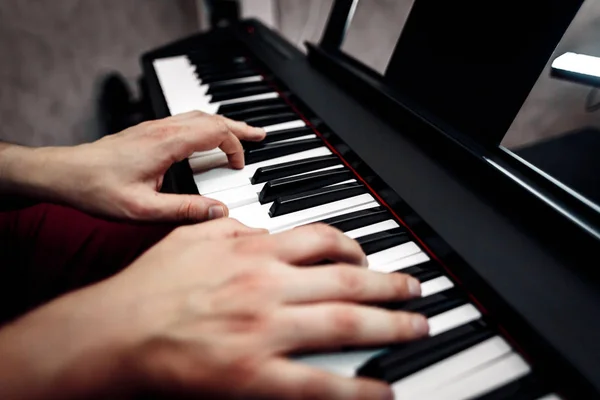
(186, 207)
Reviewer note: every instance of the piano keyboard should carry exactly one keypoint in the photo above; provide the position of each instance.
(292, 179)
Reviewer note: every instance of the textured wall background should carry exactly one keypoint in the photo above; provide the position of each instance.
(53, 54)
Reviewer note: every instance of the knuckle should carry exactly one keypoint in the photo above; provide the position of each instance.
(400, 283)
(328, 236)
(315, 386)
(222, 128)
(345, 322)
(352, 284)
(185, 210)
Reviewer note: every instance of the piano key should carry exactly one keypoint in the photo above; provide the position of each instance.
(313, 198)
(285, 134)
(400, 263)
(442, 373)
(226, 75)
(377, 242)
(436, 285)
(248, 79)
(227, 178)
(249, 89)
(256, 215)
(424, 271)
(275, 150)
(501, 371)
(405, 359)
(267, 173)
(227, 110)
(392, 254)
(431, 305)
(526, 388)
(297, 123)
(371, 229)
(360, 219)
(452, 318)
(271, 119)
(248, 194)
(550, 397)
(239, 87)
(302, 183)
(258, 109)
(246, 99)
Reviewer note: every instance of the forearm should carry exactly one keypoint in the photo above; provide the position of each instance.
(33, 172)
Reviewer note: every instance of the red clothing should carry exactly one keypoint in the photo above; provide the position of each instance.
(47, 250)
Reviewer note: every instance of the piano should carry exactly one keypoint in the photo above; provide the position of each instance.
(507, 259)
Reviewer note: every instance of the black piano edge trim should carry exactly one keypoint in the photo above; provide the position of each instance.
(549, 364)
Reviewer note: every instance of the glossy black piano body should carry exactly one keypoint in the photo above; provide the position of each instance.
(523, 249)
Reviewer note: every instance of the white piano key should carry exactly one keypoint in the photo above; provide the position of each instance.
(227, 178)
(208, 162)
(436, 285)
(248, 79)
(405, 262)
(342, 363)
(331, 215)
(238, 197)
(374, 228)
(550, 397)
(257, 215)
(262, 96)
(392, 254)
(453, 318)
(451, 368)
(499, 372)
(298, 123)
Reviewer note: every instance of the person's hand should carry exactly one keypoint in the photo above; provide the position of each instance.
(120, 175)
(202, 318)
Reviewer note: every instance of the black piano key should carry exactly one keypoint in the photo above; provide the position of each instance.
(423, 272)
(302, 183)
(406, 359)
(223, 87)
(245, 114)
(249, 91)
(228, 109)
(431, 305)
(526, 388)
(358, 219)
(383, 240)
(265, 174)
(288, 204)
(213, 69)
(277, 136)
(225, 76)
(272, 119)
(273, 150)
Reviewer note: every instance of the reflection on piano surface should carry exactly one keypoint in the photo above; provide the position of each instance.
(304, 172)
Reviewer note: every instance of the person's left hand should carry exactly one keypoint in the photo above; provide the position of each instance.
(121, 175)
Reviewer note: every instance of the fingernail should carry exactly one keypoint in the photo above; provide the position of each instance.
(414, 287)
(259, 132)
(420, 325)
(215, 212)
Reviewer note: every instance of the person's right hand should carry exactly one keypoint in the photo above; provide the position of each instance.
(217, 319)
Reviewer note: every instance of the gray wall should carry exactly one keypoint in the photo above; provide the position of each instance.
(54, 52)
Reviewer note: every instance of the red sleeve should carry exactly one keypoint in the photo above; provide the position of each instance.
(47, 250)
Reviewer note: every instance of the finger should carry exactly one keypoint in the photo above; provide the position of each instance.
(180, 207)
(331, 325)
(243, 131)
(232, 147)
(288, 380)
(314, 243)
(345, 283)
